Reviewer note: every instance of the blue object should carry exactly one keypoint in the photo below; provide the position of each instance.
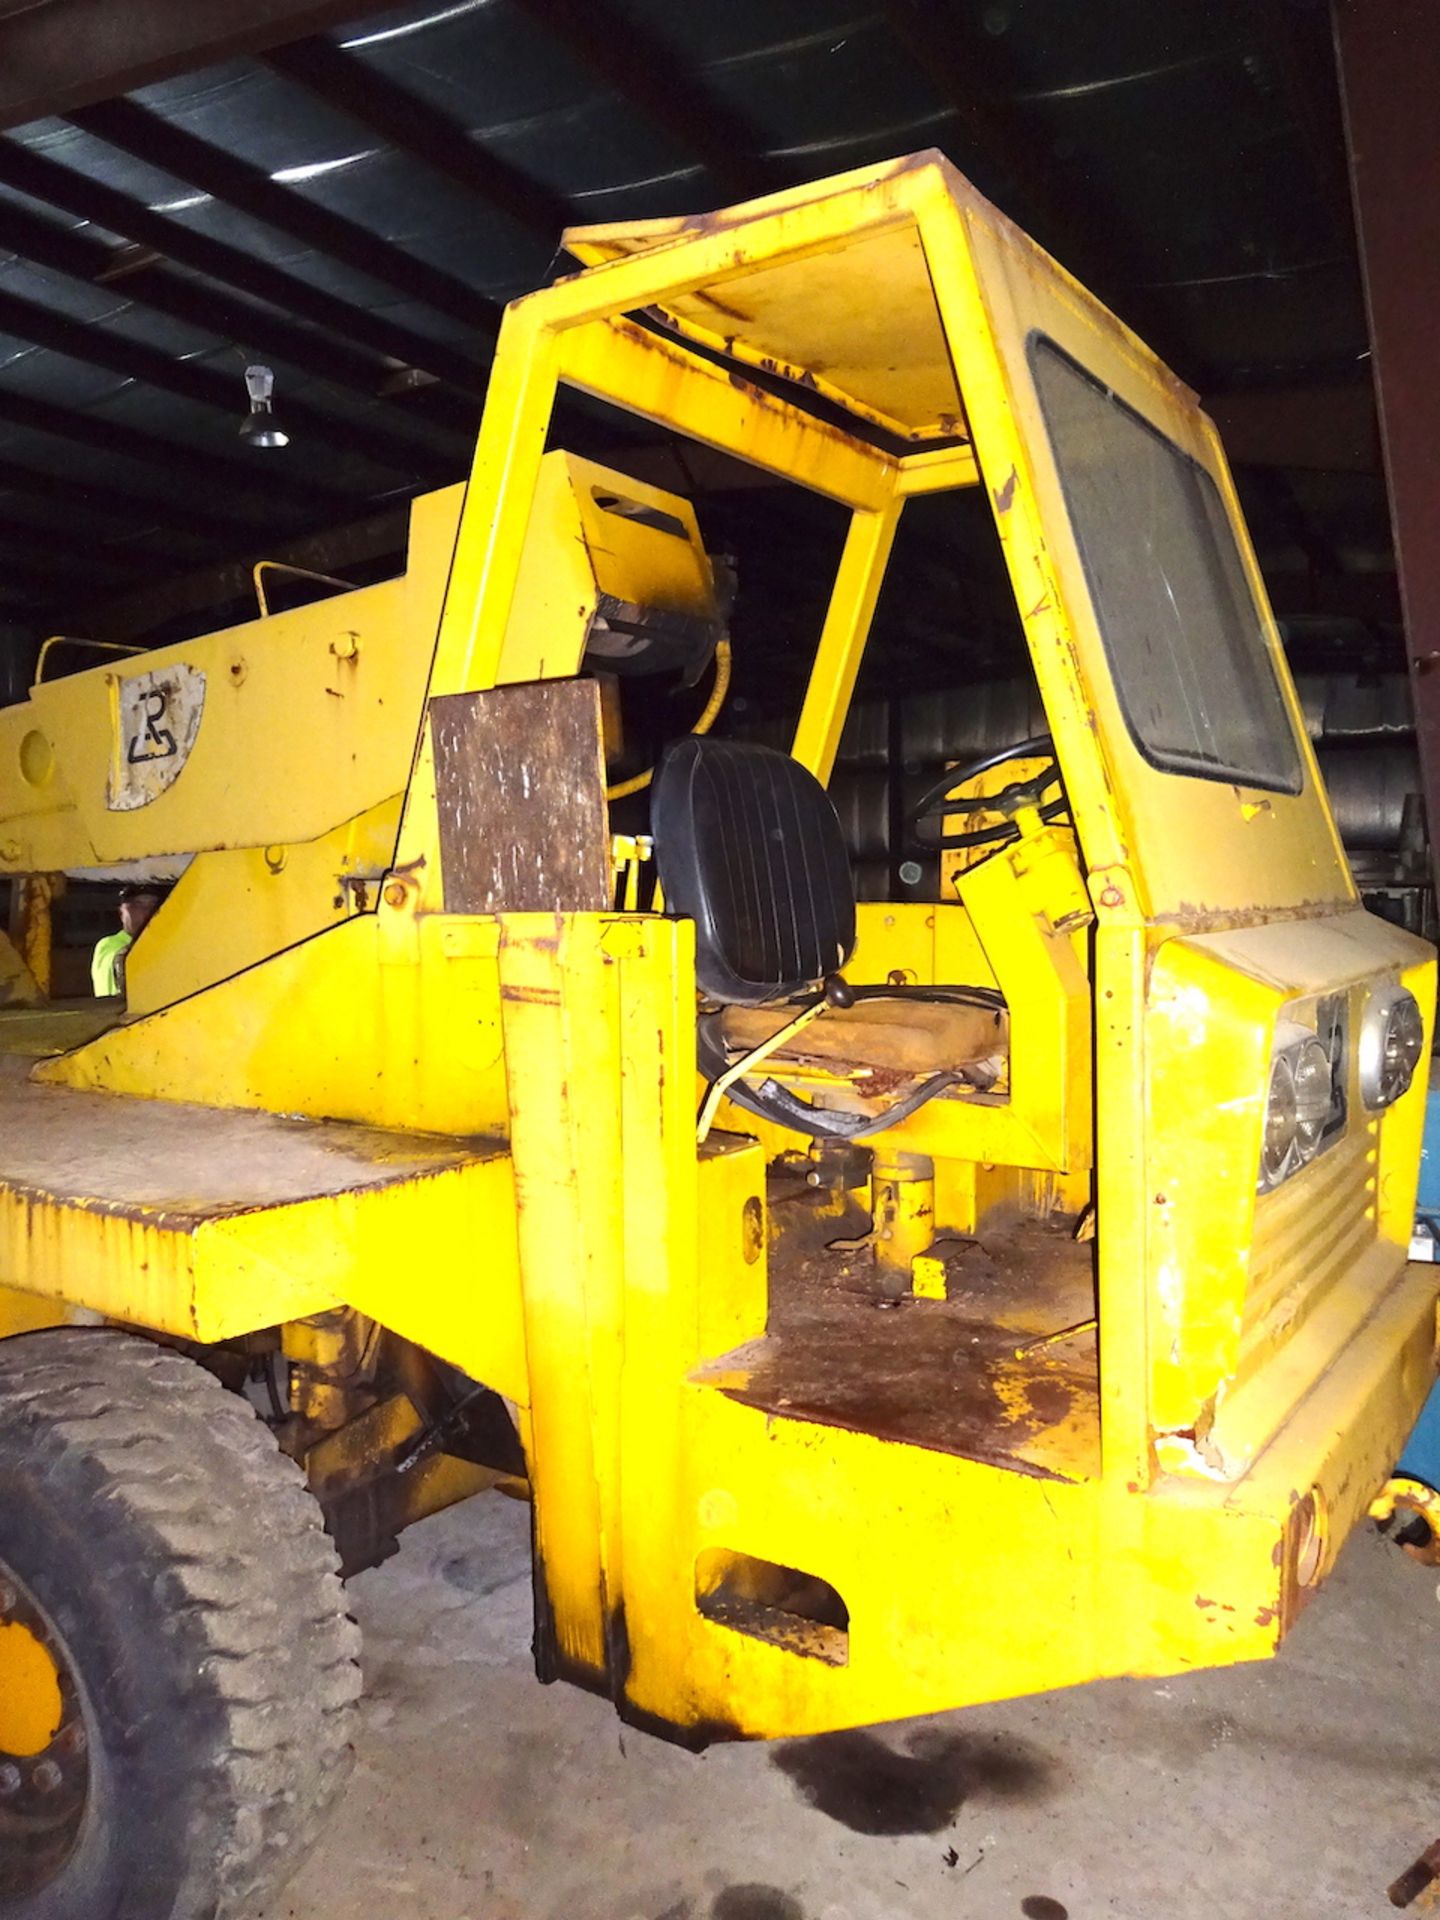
(1427, 1200)
(1421, 1458)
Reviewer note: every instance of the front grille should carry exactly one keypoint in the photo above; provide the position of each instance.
(1308, 1234)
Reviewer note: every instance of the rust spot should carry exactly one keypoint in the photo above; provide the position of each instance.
(881, 1082)
(710, 300)
(1195, 917)
(531, 996)
(1039, 607)
(1419, 1875)
(1005, 496)
(1265, 1616)
(1201, 1601)
(663, 349)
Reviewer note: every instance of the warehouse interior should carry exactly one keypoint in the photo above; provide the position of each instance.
(254, 260)
(354, 208)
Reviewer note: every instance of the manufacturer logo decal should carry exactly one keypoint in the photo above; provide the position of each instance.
(157, 716)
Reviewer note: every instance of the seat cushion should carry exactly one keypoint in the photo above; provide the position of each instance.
(748, 846)
(904, 1035)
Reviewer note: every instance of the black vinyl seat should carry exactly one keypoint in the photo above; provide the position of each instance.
(748, 845)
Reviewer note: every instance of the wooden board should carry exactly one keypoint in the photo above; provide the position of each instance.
(520, 787)
(909, 1035)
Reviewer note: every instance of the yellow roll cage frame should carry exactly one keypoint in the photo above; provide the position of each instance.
(1260, 1358)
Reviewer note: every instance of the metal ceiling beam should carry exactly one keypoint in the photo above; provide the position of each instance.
(133, 615)
(1339, 596)
(80, 523)
(38, 561)
(1274, 505)
(127, 508)
(635, 63)
(250, 190)
(1390, 80)
(1299, 45)
(419, 131)
(216, 475)
(96, 346)
(20, 609)
(965, 74)
(1329, 427)
(229, 318)
(93, 200)
(68, 53)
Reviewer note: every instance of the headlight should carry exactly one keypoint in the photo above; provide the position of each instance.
(1298, 1105)
(1312, 1095)
(1392, 1039)
(1279, 1123)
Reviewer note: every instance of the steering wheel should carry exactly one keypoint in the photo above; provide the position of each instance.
(934, 805)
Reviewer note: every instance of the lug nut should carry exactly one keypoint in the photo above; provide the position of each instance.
(45, 1776)
(10, 1782)
(72, 1739)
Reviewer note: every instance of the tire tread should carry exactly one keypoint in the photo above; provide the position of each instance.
(195, 1491)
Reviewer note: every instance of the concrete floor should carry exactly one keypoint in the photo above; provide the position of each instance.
(1299, 1788)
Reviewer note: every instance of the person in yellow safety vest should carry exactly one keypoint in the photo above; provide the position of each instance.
(107, 962)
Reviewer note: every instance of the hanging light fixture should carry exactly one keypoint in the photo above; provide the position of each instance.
(260, 428)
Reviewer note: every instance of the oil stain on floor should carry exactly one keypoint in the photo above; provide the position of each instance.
(874, 1788)
(756, 1903)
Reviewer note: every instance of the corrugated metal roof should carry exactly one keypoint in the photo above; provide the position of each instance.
(356, 209)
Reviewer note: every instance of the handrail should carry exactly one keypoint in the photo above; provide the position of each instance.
(296, 573)
(71, 640)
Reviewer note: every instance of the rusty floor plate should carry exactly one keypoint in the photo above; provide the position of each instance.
(960, 1376)
(184, 1162)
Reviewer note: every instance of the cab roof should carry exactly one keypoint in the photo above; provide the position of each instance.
(856, 324)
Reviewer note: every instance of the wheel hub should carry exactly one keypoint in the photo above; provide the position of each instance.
(44, 1748)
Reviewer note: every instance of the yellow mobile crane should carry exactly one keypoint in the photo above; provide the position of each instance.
(504, 1154)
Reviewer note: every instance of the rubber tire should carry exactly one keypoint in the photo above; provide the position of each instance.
(183, 1560)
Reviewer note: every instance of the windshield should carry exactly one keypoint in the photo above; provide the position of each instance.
(1184, 638)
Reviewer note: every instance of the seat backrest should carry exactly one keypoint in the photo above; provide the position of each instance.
(749, 846)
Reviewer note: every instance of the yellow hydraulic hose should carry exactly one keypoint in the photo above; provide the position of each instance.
(638, 782)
